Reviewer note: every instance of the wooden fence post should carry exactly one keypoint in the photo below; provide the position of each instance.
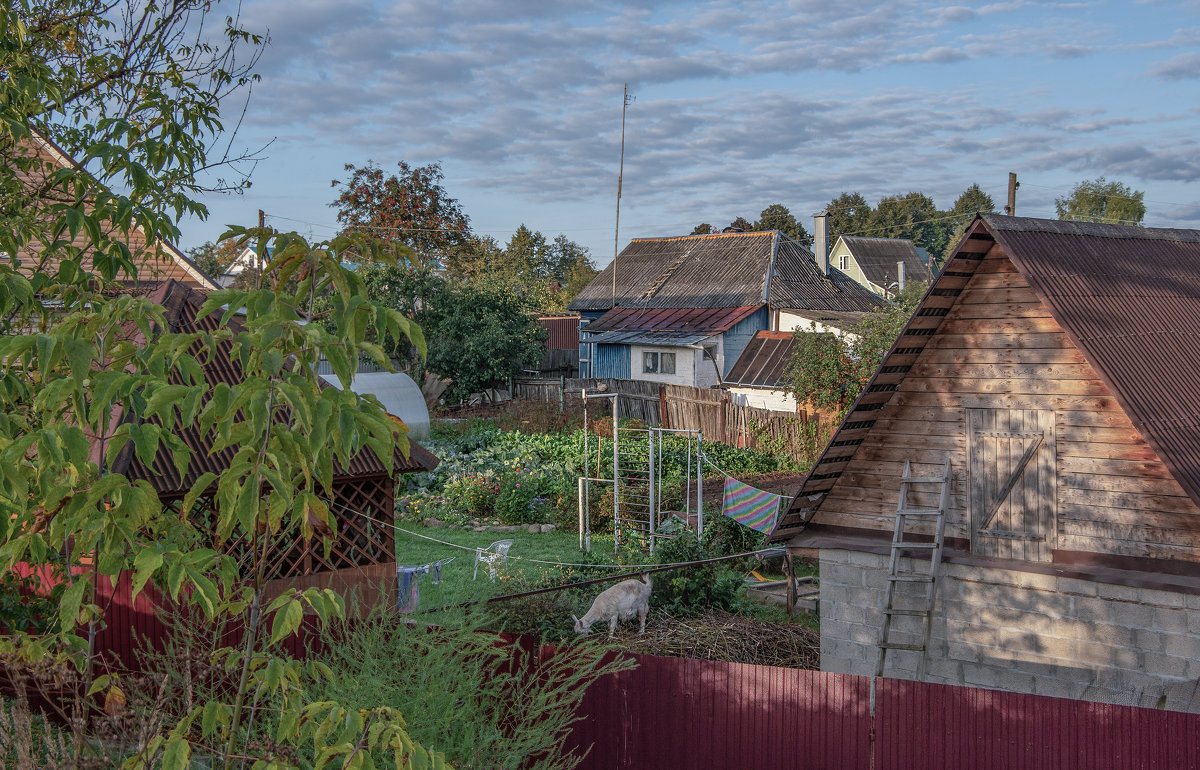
(664, 415)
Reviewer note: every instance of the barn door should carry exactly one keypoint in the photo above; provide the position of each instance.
(1012, 483)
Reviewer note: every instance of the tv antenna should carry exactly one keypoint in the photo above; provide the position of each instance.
(628, 100)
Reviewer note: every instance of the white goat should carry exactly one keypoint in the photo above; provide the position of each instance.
(621, 602)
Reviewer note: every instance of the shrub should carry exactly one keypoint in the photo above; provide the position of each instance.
(696, 589)
(473, 494)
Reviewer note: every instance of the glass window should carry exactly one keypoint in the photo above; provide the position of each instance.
(667, 363)
(710, 352)
(843, 262)
(649, 362)
(658, 363)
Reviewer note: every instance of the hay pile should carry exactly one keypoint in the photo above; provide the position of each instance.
(723, 636)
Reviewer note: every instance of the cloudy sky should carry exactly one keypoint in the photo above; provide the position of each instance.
(739, 104)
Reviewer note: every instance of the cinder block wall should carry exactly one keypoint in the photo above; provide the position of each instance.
(1021, 632)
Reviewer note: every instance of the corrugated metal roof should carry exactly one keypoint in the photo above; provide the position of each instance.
(877, 257)
(692, 319)
(673, 339)
(563, 331)
(1129, 297)
(763, 361)
(182, 305)
(721, 271)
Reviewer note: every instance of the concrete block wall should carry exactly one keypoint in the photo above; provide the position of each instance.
(1021, 632)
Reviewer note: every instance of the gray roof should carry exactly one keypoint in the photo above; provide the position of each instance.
(763, 361)
(877, 257)
(721, 271)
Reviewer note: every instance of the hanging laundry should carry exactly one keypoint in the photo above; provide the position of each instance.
(409, 599)
(752, 507)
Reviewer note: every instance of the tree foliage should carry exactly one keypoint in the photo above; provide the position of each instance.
(970, 202)
(830, 371)
(779, 217)
(214, 258)
(1098, 200)
(96, 374)
(410, 208)
(704, 228)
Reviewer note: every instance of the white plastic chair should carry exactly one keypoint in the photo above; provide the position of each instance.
(493, 556)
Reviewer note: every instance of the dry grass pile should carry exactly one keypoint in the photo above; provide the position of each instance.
(723, 636)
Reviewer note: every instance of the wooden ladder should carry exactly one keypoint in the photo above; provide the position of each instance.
(906, 516)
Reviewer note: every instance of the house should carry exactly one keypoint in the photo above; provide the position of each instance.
(876, 262)
(247, 259)
(681, 310)
(155, 262)
(1054, 365)
(757, 377)
(363, 486)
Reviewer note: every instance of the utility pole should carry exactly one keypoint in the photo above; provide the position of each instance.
(620, 175)
(262, 222)
(1013, 184)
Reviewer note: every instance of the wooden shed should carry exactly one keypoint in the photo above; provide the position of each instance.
(363, 493)
(1054, 366)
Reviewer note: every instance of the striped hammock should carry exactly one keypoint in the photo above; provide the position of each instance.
(749, 506)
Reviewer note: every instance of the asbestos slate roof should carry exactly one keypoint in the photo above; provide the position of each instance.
(702, 319)
(726, 270)
(878, 257)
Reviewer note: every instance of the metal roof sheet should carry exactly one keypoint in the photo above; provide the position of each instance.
(692, 319)
(673, 339)
(877, 257)
(763, 361)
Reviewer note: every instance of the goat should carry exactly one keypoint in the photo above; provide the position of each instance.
(621, 602)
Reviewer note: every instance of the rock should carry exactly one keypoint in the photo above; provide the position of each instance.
(547, 528)
(432, 522)
(534, 529)
(480, 529)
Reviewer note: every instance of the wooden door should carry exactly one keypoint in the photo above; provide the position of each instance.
(1012, 483)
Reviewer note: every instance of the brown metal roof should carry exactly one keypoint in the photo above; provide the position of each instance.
(671, 319)
(877, 257)
(763, 361)
(1129, 297)
(721, 271)
(182, 305)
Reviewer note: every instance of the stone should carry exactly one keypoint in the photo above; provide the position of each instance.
(548, 528)
(534, 529)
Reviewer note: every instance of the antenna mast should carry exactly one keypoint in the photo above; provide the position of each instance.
(620, 175)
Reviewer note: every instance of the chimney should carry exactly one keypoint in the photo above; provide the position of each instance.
(821, 241)
(899, 276)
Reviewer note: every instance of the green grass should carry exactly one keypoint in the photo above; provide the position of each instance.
(517, 575)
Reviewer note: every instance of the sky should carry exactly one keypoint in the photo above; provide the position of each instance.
(736, 105)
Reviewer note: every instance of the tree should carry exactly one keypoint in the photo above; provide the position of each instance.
(480, 334)
(570, 263)
(831, 371)
(704, 228)
(102, 376)
(913, 216)
(972, 201)
(411, 208)
(1098, 200)
(742, 224)
(214, 258)
(526, 255)
(849, 214)
(778, 217)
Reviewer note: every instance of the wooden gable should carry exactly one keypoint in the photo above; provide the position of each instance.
(1046, 463)
(155, 262)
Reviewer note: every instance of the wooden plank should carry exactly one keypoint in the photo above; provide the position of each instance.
(1005, 371)
(1125, 548)
(1008, 325)
(926, 422)
(982, 292)
(1009, 341)
(995, 265)
(1131, 534)
(1078, 418)
(967, 309)
(861, 476)
(1129, 501)
(1000, 400)
(964, 385)
(982, 356)
(997, 281)
(918, 447)
(1098, 514)
(1110, 458)
(1096, 435)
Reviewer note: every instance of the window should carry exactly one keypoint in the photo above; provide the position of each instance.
(710, 352)
(658, 363)
(843, 262)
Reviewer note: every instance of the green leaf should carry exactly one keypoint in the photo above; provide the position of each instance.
(287, 621)
(68, 606)
(177, 754)
(145, 564)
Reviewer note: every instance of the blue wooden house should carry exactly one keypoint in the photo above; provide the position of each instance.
(681, 310)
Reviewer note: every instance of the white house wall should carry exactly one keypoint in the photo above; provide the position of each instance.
(775, 400)
(789, 322)
(685, 365)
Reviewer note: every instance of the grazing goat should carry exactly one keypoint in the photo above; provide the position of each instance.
(621, 602)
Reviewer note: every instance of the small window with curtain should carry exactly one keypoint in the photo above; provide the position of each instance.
(658, 363)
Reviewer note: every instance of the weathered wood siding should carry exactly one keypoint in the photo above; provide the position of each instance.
(998, 348)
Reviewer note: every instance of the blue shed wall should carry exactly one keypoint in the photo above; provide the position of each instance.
(612, 361)
(737, 338)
